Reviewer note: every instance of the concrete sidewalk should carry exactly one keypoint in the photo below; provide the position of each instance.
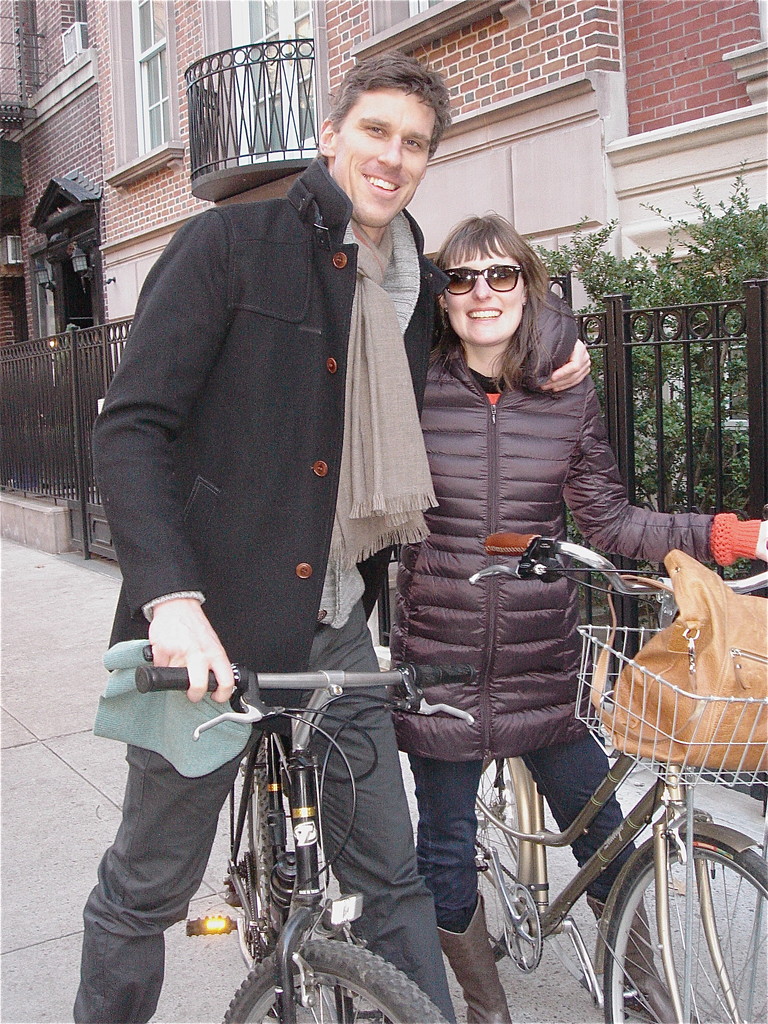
(61, 794)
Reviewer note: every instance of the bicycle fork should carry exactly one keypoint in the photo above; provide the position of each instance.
(306, 904)
(666, 831)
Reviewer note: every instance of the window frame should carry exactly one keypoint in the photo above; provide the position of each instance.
(153, 56)
(395, 30)
(132, 160)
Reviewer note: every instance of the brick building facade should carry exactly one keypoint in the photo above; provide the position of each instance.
(565, 111)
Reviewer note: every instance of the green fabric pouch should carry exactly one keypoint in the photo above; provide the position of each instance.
(163, 722)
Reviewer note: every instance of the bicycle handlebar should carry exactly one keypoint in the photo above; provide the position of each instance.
(408, 681)
(538, 559)
(151, 679)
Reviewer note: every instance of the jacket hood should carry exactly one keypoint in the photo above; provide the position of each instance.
(558, 332)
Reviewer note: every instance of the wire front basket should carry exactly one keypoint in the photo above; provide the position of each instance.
(710, 739)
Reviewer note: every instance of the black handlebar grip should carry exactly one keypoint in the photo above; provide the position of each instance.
(440, 675)
(152, 680)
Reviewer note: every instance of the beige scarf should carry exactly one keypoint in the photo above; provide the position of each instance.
(385, 483)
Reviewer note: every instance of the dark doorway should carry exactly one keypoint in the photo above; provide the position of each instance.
(68, 215)
(77, 307)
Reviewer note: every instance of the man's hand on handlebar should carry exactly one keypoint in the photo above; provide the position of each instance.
(182, 637)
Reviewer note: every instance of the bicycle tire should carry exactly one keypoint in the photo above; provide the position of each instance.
(344, 977)
(739, 886)
(260, 920)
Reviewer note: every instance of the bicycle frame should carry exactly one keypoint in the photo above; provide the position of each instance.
(533, 842)
(307, 908)
(669, 794)
(672, 830)
(307, 901)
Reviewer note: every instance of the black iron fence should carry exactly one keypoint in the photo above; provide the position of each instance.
(685, 392)
(51, 389)
(685, 398)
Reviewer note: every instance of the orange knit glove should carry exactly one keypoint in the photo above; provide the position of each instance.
(732, 538)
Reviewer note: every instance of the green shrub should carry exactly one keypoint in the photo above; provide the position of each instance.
(707, 259)
(722, 247)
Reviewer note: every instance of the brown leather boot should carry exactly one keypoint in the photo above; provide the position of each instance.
(653, 998)
(471, 958)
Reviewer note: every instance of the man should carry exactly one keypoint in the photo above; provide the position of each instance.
(252, 511)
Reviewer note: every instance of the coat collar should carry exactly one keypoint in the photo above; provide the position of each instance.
(317, 197)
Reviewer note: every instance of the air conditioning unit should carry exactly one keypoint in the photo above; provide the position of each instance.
(74, 40)
(10, 249)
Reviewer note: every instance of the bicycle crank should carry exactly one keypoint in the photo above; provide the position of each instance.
(522, 922)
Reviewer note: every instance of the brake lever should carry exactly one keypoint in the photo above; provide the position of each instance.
(493, 570)
(242, 711)
(425, 708)
(248, 716)
(538, 561)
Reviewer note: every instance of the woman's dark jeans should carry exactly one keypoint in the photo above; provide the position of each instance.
(566, 774)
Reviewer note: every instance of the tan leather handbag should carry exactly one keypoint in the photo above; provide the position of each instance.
(697, 693)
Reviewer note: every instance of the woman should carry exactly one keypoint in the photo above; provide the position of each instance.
(504, 455)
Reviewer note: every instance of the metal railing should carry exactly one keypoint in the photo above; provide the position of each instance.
(252, 105)
(22, 69)
(51, 390)
(677, 399)
(684, 388)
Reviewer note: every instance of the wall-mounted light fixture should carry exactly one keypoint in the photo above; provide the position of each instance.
(43, 275)
(80, 262)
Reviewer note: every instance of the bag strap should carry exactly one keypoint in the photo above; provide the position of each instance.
(600, 671)
(648, 581)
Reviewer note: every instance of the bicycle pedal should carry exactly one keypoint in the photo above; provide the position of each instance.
(215, 924)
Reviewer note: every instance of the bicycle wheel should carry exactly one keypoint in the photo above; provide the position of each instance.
(341, 983)
(496, 810)
(260, 921)
(729, 971)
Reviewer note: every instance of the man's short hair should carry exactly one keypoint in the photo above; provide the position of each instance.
(394, 70)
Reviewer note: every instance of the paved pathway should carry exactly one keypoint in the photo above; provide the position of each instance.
(61, 794)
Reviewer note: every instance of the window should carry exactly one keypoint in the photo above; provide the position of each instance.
(417, 6)
(142, 54)
(152, 78)
(260, 21)
(279, 90)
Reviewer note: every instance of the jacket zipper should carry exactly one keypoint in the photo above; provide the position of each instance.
(493, 582)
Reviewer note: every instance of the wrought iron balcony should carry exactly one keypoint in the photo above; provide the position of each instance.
(251, 116)
(21, 71)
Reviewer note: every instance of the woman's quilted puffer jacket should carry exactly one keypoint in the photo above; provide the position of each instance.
(510, 467)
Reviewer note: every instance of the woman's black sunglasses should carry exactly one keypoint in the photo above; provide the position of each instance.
(500, 277)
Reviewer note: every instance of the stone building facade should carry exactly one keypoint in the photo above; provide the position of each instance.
(565, 112)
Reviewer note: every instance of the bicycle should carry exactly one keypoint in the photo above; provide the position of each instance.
(303, 960)
(712, 946)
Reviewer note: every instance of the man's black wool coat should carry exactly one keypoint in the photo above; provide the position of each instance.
(218, 449)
